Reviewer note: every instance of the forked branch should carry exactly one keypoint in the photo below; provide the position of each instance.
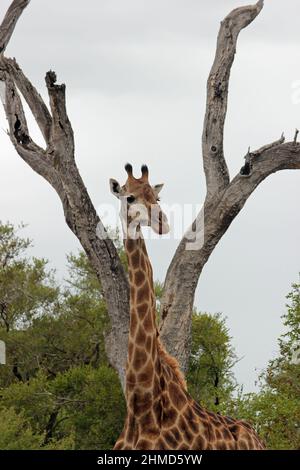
(18, 129)
(32, 97)
(215, 166)
(56, 163)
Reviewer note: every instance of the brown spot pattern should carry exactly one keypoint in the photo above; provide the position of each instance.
(161, 414)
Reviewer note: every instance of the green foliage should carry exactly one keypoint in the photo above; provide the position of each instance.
(68, 330)
(26, 288)
(94, 405)
(16, 432)
(57, 390)
(210, 377)
(11, 246)
(275, 409)
(84, 405)
(57, 385)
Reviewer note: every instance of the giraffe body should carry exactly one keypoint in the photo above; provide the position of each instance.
(161, 415)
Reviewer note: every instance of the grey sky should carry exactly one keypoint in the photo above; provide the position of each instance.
(136, 75)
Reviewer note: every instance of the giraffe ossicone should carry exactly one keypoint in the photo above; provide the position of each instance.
(161, 415)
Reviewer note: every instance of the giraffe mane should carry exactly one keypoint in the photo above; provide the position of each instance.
(172, 363)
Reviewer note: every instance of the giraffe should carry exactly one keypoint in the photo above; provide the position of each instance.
(161, 415)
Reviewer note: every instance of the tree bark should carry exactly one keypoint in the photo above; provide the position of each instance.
(50, 426)
(56, 164)
(8, 25)
(224, 200)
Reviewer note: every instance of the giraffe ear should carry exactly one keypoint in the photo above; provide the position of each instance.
(157, 188)
(115, 188)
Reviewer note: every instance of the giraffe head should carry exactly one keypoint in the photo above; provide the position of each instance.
(139, 203)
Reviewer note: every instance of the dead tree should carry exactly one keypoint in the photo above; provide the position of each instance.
(225, 197)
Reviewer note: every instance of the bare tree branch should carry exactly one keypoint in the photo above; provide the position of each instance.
(224, 199)
(10, 20)
(246, 170)
(32, 97)
(215, 167)
(18, 129)
(61, 133)
(57, 165)
(219, 212)
(276, 143)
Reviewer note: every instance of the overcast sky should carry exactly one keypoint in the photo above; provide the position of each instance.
(136, 74)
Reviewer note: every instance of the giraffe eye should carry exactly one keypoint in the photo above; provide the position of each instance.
(130, 199)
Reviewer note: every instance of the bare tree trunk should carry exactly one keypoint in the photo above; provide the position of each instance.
(225, 197)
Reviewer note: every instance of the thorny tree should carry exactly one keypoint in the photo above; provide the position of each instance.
(224, 199)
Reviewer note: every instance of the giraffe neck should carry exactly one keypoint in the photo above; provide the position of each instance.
(142, 347)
